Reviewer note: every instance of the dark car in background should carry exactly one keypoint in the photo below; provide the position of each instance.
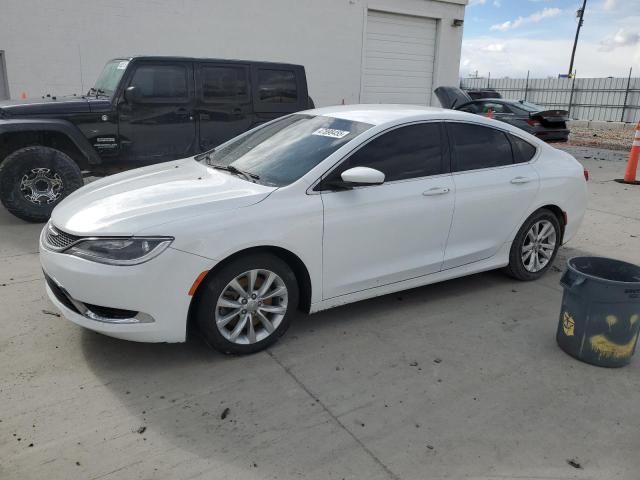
(548, 125)
(141, 110)
(475, 94)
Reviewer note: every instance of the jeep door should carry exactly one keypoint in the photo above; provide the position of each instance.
(223, 102)
(156, 119)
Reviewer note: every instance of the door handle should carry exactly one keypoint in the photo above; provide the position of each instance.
(520, 180)
(435, 191)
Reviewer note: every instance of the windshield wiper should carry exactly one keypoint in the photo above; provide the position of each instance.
(97, 91)
(230, 168)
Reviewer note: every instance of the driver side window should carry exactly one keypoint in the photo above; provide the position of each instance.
(407, 152)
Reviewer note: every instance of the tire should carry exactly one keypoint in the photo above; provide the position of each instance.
(45, 174)
(217, 289)
(520, 246)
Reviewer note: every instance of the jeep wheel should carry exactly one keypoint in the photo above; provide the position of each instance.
(33, 180)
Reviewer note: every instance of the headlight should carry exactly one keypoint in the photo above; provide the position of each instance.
(120, 251)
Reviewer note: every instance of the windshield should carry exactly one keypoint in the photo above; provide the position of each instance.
(110, 77)
(283, 151)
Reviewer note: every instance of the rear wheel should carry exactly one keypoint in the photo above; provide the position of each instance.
(248, 304)
(535, 246)
(33, 180)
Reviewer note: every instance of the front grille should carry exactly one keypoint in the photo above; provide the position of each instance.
(4, 114)
(58, 240)
(59, 294)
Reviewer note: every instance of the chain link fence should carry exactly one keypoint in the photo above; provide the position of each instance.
(606, 99)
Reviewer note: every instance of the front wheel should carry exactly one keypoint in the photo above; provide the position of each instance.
(535, 246)
(247, 304)
(33, 180)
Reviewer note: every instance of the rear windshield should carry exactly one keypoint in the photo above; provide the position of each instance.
(281, 152)
(529, 107)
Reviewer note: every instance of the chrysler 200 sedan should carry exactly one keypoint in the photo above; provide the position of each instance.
(307, 212)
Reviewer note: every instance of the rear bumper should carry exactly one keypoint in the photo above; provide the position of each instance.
(555, 135)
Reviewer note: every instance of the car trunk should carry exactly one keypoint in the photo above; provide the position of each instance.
(451, 97)
(554, 119)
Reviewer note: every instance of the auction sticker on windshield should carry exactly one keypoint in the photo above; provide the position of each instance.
(331, 132)
(122, 65)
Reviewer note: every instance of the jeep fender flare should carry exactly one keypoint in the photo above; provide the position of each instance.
(53, 125)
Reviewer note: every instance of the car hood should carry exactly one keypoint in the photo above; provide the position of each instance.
(45, 106)
(129, 202)
(451, 97)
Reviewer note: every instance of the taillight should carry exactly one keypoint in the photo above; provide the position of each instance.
(533, 123)
(586, 174)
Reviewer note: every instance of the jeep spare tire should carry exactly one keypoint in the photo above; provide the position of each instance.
(33, 180)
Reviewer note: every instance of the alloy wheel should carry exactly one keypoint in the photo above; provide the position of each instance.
(251, 307)
(538, 246)
(41, 186)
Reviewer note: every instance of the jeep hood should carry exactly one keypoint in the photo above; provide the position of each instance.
(451, 97)
(45, 106)
(129, 202)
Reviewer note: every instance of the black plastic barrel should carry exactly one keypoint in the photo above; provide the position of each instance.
(600, 315)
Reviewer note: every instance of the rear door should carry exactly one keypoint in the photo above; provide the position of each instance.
(495, 188)
(277, 90)
(223, 102)
(160, 125)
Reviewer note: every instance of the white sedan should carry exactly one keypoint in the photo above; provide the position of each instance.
(308, 212)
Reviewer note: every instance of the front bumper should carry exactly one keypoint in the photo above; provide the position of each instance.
(145, 303)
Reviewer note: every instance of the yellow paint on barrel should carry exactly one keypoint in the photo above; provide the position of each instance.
(568, 324)
(605, 348)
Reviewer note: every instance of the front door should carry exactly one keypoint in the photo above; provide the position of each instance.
(494, 192)
(224, 108)
(377, 235)
(159, 125)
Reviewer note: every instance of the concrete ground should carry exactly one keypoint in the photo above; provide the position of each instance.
(457, 380)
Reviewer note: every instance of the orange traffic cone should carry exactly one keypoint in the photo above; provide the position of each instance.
(23, 95)
(632, 164)
(490, 113)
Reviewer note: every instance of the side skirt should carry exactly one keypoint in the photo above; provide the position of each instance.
(499, 260)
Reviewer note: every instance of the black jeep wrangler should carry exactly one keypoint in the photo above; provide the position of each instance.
(142, 110)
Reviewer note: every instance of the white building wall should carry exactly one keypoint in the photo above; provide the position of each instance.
(60, 46)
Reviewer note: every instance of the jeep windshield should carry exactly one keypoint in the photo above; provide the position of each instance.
(109, 78)
(281, 152)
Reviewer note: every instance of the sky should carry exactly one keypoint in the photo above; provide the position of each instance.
(508, 37)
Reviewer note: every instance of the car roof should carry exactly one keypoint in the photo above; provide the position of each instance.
(381, 114)
(166, 58)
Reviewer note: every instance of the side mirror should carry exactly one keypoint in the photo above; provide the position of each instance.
(360, 176)
(132, 94)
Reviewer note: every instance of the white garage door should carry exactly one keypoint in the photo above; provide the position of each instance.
(398, 60)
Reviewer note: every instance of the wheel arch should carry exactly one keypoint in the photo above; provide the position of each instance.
(299, 268)
(559, 214)
(58, 134)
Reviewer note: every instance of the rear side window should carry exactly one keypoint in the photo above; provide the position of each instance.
(224, 83)
(277, 86)
(523, 151)
(162, 82)
(494, 107)
(407, 152)
(475, 147)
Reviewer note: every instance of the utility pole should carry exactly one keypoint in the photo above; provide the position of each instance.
(580, 15)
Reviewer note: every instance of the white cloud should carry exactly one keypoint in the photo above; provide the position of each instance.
(494, 47)
(609, 5)
(533, 18)
(512, 57)
(473, 3)
(620, 39)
